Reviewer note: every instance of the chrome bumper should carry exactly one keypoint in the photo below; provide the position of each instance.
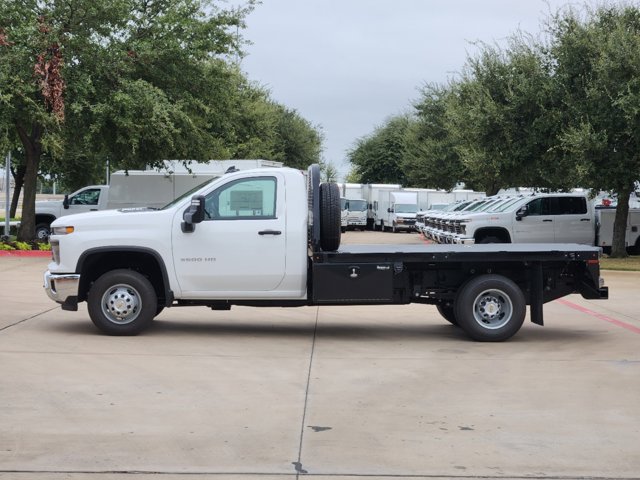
(61, 287)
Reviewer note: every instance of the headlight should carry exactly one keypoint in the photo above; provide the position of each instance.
(62, 230)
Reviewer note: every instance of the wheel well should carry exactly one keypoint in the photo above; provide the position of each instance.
(94, 264)
(42, 218)
(500, 233)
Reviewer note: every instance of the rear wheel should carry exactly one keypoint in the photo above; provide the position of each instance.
(490, 308)
(122, 302)
(330, 216)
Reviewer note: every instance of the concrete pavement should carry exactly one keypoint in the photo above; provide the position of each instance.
(329, 393)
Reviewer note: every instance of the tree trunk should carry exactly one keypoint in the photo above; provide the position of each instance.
(618, 247)
(32, 150)
(18, 180)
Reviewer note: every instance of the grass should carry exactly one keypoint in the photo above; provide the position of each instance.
(629, 264)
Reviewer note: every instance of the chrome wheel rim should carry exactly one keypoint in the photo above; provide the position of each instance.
(492, 309)
(121, 304)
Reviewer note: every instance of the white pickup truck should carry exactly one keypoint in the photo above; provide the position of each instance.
(539, 218)
(271, 237)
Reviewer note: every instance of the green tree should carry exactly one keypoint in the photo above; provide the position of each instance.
(378, 158)
(598, 74)
(500, 118)
(431, 159)
(116, 78)
(298, 143)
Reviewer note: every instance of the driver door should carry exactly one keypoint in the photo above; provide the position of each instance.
(240, 247)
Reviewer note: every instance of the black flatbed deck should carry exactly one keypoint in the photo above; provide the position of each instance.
(502, 252)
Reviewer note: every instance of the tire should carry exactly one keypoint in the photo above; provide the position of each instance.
(490, 308)
(491, 239)
(447, 312)
(42, 231)
(122, 302)
(393, 228)
(330, 221)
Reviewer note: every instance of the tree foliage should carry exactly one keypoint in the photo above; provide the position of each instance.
(377, 158)
(431, 159)
(136, 82)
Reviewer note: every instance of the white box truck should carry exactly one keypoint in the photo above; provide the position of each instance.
(396, 210)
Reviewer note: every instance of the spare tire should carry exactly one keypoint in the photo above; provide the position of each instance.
(330, 224)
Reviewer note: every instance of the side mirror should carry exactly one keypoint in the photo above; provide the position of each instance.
(194, 214)
(522, 212)
(389, 210)
(65, 202)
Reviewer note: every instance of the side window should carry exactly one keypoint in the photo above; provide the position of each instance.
(571, 206)
(248, 198)
(539, 206)
(87, 197)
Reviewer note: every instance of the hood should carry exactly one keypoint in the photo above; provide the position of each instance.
(111, 217)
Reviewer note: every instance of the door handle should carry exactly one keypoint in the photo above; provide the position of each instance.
(548, 220)
(269, 232)
(585, 219)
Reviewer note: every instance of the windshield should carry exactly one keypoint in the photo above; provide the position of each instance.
(405, 208)
(503, 207)
(187, 194)
(476, 206)
(357, 205)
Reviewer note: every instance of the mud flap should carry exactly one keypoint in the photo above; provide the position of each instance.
(536, 294)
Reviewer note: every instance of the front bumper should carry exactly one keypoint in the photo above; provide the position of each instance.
(63, 289)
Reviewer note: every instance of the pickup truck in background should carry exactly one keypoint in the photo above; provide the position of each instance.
(548, 218)
(538, 218)
(271, 238)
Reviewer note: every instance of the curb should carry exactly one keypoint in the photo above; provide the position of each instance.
(25, 253)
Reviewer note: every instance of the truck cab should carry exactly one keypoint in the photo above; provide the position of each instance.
(397, 210)
(356, 213)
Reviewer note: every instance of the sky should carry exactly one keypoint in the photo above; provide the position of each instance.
(348, 65)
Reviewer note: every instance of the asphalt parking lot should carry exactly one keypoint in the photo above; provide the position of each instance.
(328, 393)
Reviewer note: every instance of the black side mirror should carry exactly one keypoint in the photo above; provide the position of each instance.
(522, 212)
(65, 202)
(389, 210)
(194, 214)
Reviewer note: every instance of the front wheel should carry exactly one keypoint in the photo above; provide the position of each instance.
(122, 302)
(490, 308)
(42, 231)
